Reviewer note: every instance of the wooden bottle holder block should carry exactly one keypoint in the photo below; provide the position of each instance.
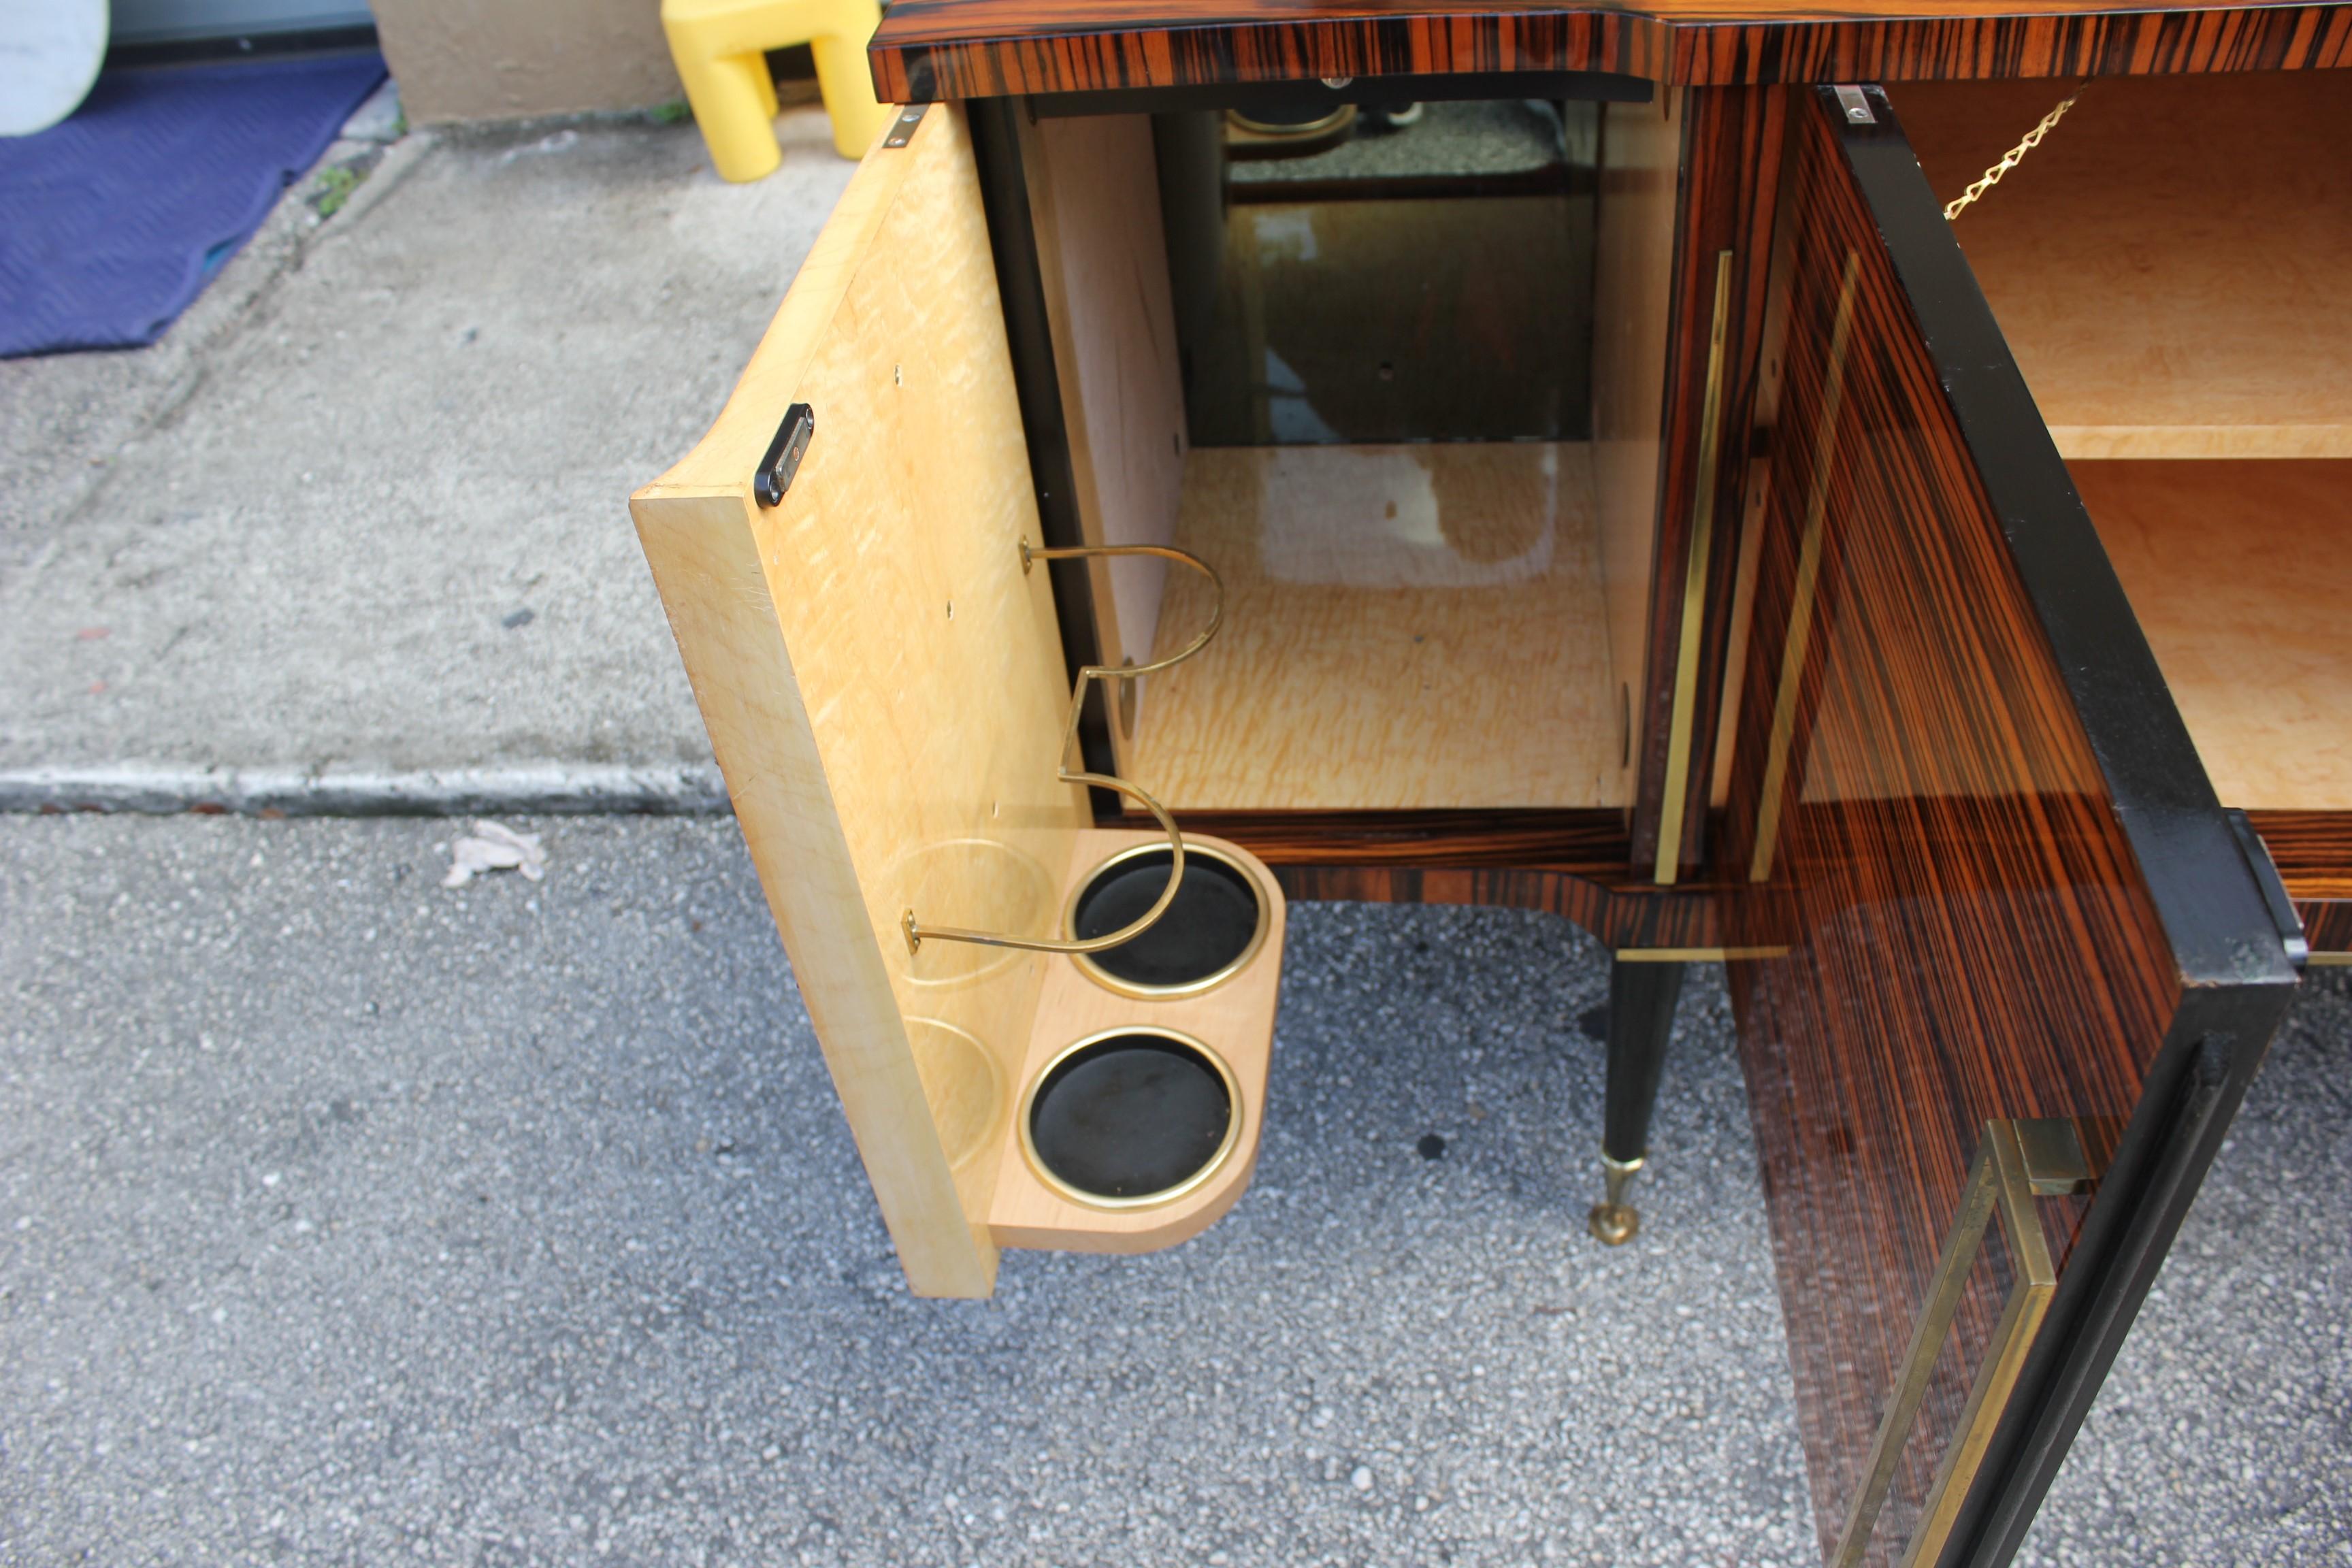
(1233, 1018)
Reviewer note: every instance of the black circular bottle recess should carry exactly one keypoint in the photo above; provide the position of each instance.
(1208, 928)
(1130, 1116)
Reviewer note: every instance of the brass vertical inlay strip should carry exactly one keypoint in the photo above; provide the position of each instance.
(1678, 733)
(1809, 566)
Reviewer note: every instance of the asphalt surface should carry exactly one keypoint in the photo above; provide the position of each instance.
(349, 1218)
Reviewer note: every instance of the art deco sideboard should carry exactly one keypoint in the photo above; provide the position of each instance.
(1623, 463)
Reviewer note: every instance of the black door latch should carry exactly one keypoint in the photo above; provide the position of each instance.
(785, 454)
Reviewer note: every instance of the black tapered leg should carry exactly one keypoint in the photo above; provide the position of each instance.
(1642, 999)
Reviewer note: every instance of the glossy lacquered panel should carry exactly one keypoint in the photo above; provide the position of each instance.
(1731, 157)
(1568, 863)
(981, 48)
(958, 48)
(1936, 43)
(1959, 798)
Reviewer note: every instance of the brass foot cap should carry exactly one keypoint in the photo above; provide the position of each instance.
(1613, 1224)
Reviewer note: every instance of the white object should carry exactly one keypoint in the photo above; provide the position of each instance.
(49, 54)
(495, 847)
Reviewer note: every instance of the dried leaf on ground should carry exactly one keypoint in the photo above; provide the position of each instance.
(495, 847)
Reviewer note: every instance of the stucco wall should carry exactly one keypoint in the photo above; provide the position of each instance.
(498, 59)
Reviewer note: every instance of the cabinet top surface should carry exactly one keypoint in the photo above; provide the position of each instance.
(929, 49)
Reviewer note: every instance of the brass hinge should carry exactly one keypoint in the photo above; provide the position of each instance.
(902, 130)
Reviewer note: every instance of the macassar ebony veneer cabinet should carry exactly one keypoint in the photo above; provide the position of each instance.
(1572, 460)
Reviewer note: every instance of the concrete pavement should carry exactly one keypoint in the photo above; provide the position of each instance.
(347, 1218)
(362, 520)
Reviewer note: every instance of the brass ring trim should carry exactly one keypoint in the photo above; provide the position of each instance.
(1129, 988)
(1185, 1188)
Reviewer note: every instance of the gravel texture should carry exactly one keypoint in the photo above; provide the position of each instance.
(2224, 1434)
(348, 1218)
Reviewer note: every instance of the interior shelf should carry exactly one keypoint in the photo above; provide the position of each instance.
(1406, 626)
(2239, 574)
(2168, 263)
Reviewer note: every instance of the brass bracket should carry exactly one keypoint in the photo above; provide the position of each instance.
(2017, 1161)
(902, 128)
(1684, 714)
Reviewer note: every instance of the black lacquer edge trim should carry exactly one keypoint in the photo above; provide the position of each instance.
(2216, 1044)
(1021, 291)
(2204, 893)
(1589, 86)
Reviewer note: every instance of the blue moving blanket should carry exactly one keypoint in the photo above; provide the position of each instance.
(113, 221)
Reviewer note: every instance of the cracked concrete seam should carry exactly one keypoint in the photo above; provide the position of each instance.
(561, 789)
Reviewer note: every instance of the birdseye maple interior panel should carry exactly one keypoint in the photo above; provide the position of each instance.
(2239, 573)
(1405, 626)
(1094, 209)
(2172, 266)
(883, 680)
(841, 645)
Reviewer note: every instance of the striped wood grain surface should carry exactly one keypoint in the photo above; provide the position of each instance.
(1971, 935)
(1569, 863)
(930, 50)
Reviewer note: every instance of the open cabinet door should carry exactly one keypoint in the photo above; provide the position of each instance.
(847, 560)
(2021, 969)
(882, 682)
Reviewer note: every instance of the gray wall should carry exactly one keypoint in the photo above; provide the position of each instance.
(504, 60)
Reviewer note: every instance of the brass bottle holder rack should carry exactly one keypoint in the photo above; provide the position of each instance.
(918, 933)
(2017, 1161)
(1137, 1132)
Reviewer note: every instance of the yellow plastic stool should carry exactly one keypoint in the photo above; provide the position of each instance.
(719, 46)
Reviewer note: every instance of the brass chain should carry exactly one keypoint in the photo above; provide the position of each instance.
(2013, 157)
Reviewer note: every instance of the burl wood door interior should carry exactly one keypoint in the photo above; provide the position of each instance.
(1963, 802)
